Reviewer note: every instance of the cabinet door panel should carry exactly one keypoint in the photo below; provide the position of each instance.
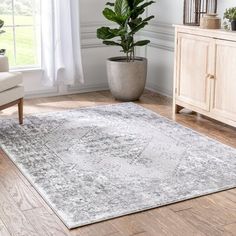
(224, 88)
(194, 57)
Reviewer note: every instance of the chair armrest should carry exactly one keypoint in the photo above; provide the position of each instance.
(4, 65)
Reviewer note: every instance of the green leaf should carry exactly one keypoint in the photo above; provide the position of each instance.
(139, 27)
(108, 33)
(128, 14)
(111, 15)
(139, 10)
(110, 4)
(131, 4)
(105, 33)
(135, 22)
(147, 4)
(122, 8)
(137, 2)
(149, 18)
(111, 43)
(141, 43)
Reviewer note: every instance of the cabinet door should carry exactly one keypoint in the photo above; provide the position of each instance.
(224, 85)
(194, 65)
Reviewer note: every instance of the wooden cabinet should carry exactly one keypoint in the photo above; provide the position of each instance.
(224, 84)
(205, 72)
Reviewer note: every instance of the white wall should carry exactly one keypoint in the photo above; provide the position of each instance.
(94, 55)
(160, 52)
(223, 4)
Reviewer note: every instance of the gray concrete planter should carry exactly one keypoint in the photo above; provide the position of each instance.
(127, 79)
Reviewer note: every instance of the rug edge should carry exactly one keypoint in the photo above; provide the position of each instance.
(71, 226)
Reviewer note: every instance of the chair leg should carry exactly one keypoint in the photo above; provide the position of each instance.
(20, 110)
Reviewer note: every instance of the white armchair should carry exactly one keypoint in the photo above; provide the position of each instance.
(11, 90)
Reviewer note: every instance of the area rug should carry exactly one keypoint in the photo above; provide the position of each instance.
(98, 163)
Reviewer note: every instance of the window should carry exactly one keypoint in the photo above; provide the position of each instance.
(22, 37)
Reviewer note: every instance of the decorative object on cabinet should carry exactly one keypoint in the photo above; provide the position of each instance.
(205, 72)
(210, 21)
(230, 16)
(195, 9)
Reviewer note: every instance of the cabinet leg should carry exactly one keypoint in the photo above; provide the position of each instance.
(177, 108)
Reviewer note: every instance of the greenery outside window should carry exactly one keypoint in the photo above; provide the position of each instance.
(22, 37)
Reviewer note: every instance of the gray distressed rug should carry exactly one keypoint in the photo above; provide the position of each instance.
(98, 163)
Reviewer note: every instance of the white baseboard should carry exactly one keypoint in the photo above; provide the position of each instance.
(159, 90)
(87, 89)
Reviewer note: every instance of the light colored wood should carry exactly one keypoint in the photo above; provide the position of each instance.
(196, 30)
(205, 73)
(189, 218)
(44, 222)
(171, 222)
(15, 221)
(21, 195)
(103, 229)
(193, 69)
(128, 225)
(231, 229)
(224, 85)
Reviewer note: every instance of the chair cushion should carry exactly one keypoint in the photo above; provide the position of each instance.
(11, 95)
(9, 80)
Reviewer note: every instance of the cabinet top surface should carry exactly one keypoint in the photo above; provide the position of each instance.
(216, 33)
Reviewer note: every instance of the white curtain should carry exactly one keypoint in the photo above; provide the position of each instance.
(60, 42)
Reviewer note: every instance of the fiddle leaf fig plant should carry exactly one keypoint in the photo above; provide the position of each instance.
(128, 15)
(2, 51)
(230, 14)
(229, 17)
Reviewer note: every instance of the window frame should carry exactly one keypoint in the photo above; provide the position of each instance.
(13, 28)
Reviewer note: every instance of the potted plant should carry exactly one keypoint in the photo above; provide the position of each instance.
(126, 74)
(2, 51)
(230, 15)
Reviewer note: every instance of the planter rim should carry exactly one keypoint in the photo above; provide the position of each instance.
(122, 59)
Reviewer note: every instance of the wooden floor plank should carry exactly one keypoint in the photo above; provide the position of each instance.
(231, 228)
(128, 225)
(104, 228)
(24, 212)
(172, 224)
(12, 217)
(19, 192)
(230, 195)
(214, 211)
(208, 216)
(33, 199)
(45, 223)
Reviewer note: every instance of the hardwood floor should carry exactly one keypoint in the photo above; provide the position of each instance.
(24, 213)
